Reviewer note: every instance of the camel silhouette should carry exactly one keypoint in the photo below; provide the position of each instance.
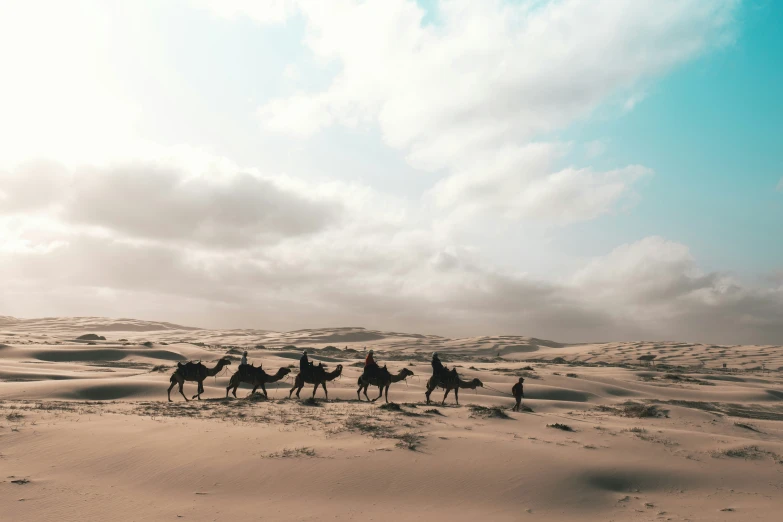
(450, 382)
(256, 376)
(195, 372)
(382, 380)
(318, 376)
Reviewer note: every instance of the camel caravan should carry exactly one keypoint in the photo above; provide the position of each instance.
(318, 376)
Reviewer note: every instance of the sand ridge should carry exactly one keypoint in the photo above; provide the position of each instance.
(86, 432)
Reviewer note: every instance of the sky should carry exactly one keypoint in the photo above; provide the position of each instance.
(577, 170)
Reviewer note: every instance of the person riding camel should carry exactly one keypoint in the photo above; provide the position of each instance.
(371, 368)
(437, 366)
(518, 394)
(304, 364)
(440, 371)
(244, 359)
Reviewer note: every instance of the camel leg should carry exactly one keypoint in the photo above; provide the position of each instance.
(199, 390)
(387, 394)
(326, 393)
(170, 387)
(380, 392)
(366, 387)
(446, 395)
(263, 388)
(181, 392)
(429, 390)
(456, 395)
(315, 388)
(254, 390)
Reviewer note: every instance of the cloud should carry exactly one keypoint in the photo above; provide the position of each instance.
(213, 205)
(489, 77)
(522, 182)
(392, 277)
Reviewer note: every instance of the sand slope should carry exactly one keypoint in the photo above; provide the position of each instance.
(86, 431)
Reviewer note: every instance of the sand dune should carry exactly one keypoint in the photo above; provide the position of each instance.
(86, 431)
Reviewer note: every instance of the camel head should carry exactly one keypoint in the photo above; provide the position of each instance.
(476, 383)
(405, 373)
(282, 372)
(224, 361)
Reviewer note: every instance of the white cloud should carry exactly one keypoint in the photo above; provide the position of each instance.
(490, 76)
(522, 182)
(267, 12)
(119, 226)
(634, 100)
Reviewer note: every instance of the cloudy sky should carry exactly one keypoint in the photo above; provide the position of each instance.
(578, 170)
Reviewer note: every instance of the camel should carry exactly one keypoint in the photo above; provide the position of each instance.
(318, 376)
(449, 383)
(382, 381)
(255, 376)
(195, 372)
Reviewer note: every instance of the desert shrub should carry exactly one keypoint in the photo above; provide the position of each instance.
(571, 375)
(640, 411)
(559, 426)
(746, 426)
(493, 412)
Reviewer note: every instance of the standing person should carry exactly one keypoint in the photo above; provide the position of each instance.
(518, 394)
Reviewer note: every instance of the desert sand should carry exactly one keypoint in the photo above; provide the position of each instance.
(87, 433)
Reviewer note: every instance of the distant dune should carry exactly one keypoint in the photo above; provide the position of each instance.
(85, 427)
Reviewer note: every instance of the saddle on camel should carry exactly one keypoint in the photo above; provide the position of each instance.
(371, 368)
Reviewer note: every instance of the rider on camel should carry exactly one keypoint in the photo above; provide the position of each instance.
(440, 371)
(370, 366)
(304, 363)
